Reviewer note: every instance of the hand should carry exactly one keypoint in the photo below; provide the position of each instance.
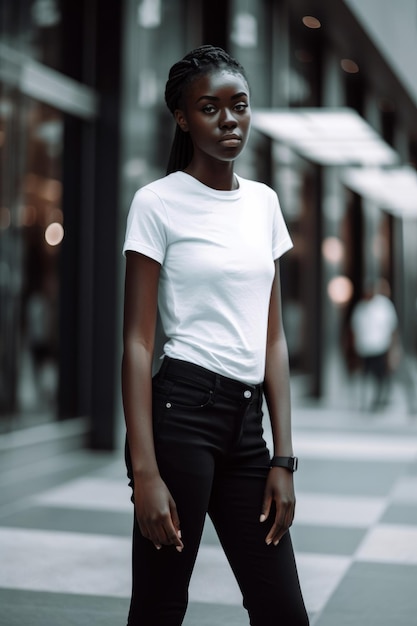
(279, 489)
(156, 513)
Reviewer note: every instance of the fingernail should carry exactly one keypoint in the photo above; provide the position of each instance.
(179, 534)
(262, 518)
(178, 548)
(276, 542)
(268, 542)
(158, 547)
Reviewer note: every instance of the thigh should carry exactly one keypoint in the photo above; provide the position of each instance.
(161, 577)
(267, 575)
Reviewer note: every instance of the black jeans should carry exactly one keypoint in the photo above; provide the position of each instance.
(212, 455)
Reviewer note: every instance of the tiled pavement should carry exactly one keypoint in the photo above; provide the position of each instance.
(65, 523)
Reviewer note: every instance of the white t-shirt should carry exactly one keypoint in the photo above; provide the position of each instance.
(373, 322)
(217, 252)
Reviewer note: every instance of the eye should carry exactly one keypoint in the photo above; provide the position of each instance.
(209, 108)
(241, 107)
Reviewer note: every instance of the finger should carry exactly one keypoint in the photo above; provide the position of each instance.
(175, 540)
(281, 525)
(176, 523)
(275, 534)
(266, 508)
(168, 535)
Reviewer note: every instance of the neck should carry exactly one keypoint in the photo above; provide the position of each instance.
(219, 176)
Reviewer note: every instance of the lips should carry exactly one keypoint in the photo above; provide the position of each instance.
(230, 138)
(230, 141)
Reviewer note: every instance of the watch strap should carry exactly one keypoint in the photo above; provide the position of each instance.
(289, 462)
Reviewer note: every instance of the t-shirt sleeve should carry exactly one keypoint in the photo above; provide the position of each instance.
(281, 240)
(146, 226)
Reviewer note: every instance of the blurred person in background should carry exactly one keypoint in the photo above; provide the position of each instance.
(203, 244)
(374, 326)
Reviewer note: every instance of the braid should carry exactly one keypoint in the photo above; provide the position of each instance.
(197, 62)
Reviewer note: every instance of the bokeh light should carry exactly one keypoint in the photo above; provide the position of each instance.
(311, 22)
(349, 66)
(340, 290)
(54, 234)
(332, 250)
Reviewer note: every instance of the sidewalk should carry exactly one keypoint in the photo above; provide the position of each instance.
(65, 526)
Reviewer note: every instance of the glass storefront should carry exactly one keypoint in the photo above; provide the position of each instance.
(31, 231)
(31, 208)
(31, 220)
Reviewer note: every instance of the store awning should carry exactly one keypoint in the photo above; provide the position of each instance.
(341, 137)
(327, 136)
(393, 189)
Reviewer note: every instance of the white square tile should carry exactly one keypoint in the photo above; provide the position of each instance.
(90, 493)
(389, 544)
(360, 446)
(319, 576)
(64, 562)
(343, 511)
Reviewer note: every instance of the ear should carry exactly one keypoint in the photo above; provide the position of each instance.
(181, 120)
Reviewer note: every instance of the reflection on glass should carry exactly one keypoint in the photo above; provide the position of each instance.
(31, 230)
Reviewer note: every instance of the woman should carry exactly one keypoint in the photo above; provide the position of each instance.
(202, 247)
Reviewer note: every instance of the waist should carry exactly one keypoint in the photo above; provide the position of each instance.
(177, 369)
(235, 359)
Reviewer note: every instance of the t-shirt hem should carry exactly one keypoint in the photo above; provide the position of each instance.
(135, 246)
(282, 248)
(252, 376)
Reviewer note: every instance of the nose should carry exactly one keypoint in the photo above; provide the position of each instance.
(227, 119)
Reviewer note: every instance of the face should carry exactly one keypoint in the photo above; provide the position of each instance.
(217, 115)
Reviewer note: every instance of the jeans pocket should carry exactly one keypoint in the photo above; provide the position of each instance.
(189, 395)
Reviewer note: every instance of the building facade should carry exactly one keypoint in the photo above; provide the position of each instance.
(83, 125)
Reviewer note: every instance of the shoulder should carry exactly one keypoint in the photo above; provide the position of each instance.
(261, 194)
(256, 187)
(157, 195)
(160, 186)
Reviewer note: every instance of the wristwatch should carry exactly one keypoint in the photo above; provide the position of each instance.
(289, 462)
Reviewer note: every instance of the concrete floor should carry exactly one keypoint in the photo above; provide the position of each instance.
(65, 523)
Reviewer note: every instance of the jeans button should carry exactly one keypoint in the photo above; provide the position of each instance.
(247, 393)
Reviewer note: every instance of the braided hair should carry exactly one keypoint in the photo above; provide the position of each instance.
(196, 63)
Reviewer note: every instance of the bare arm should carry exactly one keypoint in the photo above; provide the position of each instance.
(280, 486)
(154, 506)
